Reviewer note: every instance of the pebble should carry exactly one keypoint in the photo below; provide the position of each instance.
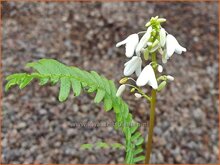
(21, 125)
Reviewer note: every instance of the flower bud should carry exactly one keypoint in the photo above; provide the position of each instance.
(155, 43)
(170, 78)
(132, 90)
(148, 24)
(120, 90)
(123, 80)
(162, 85)
(155, 46)
(138, 95)
(149, 43)
(160, 20)
(160, 68)
(146, 54)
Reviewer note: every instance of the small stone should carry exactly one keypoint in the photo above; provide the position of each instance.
(43, 112)
(21, 125)
(71, 131)
(157, 131)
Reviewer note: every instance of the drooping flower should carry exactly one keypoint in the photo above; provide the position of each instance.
(133, 65)
(120, 90)
(144, 40)
(172, 46)
(130, 44)
(147, 76)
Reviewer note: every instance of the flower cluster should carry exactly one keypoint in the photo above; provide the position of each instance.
(155, 39)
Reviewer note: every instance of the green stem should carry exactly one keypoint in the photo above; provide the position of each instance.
(152, 117)
(151, 127)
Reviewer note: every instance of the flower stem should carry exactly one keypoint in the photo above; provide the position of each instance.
(151, 127)
(152, 117)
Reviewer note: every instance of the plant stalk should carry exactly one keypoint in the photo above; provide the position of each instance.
(152, 117)
(151, 127)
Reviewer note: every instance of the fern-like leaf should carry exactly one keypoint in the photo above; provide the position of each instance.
(52, 71)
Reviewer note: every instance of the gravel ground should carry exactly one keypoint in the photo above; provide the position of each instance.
(37, 129)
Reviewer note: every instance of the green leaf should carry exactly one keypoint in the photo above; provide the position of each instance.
(64, 89)
(10, 83)
(138, 151)
(127, 133)
(99, 96)
(98, 79)
(25, 82)
(134, 127)
(76, 85)
(107, 85)
(112, 87)
(92, 89)
(117, 146)
(102, 145)
(139, 141)
(117, 106)
(107, 103)
(54, 80)
(125, 109)
(16, 75)
(135, 136)
(43, 81)
(49, 70)
(129, 157)
(139, 159)
(86, 146)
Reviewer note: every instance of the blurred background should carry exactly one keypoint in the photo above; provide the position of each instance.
(36, 128)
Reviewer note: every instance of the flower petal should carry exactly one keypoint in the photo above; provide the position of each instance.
(143, 77)
(147, 76)
(130, 48)
(179, 49)
(143, 41)
(120, 90)
(121, 43)
(138, 68)
(132, 65)
(164, 56)
(131, 43)
(152, 81)
(171, 43)
(162, 37)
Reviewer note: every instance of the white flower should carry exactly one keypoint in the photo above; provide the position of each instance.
(162, 37)
(172, 46)
(133, 65)
(147, 76)
(120, 90)
(130, 44)
(160, 68)
(171, 78)
(144, 40)
(137, 95)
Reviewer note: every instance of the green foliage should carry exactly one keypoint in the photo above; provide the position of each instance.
(52, 71)
(103, 145)
(86, 146)
(117, 146)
